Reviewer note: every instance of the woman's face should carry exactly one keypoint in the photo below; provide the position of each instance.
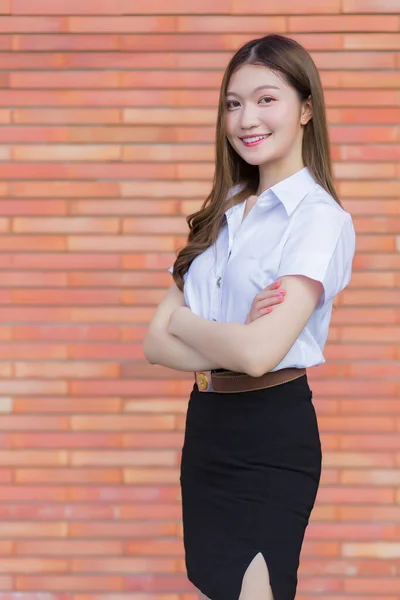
(273, 111)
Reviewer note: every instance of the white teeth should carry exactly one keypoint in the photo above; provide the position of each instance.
(255, 139)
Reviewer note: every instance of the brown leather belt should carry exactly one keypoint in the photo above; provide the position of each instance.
(225, 381)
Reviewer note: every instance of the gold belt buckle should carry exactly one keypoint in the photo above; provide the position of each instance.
(203, 380)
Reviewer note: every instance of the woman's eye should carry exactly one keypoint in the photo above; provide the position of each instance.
(230, 103)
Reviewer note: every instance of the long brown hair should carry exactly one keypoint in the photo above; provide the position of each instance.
(288, 58)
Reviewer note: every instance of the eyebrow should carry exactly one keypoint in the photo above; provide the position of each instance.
(260, 87)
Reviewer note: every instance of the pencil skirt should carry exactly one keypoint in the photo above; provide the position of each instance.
(250, 471)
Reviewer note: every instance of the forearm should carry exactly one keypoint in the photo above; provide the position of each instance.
(225, 343)
(163, 348)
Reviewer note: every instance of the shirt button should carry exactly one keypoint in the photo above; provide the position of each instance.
(219, 281)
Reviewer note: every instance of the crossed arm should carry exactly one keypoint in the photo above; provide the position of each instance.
(254, 348)
(164, 348)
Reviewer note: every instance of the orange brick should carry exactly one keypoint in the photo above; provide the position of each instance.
(66, 153)
(369, 513)
(351, 170)
(122, 458)
(33, 565)
(124, 565)
(362, 116)
(7, 583)
(231, 23)
(150, 511)
(356, 189)
(6, 41)
(13, 24)
(285, 7)
(5, 6)
(5, 115)
(107, 529)
(63, 80)
(66, 475)
(343, 23)
(354, 60)
(372, 41)
(382, 477)
(28, 529)
(123, 24)
(379, 585)
(161, 152)
(68, 582)
(171, 116)
(68, 547)
(63, 116)
(370, 6)
(53, 43)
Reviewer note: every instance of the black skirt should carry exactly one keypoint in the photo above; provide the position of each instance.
(250, 471)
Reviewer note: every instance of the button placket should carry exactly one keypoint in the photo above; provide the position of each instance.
(232, 230)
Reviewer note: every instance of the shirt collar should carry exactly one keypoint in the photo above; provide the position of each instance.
(293, 189)
(290, 191)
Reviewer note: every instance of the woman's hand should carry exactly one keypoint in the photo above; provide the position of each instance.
(265, 300)
(263, 304)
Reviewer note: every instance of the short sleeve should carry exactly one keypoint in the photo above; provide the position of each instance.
(320, 245)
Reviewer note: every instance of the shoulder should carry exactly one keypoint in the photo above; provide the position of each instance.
(319, 209)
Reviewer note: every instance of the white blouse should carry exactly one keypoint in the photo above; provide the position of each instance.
(295, 228)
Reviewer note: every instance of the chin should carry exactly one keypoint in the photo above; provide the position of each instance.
(257, 160)
(254, 162)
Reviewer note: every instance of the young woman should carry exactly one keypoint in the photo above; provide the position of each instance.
(251, 459)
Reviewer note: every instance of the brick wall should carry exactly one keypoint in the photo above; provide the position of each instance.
(107, 110)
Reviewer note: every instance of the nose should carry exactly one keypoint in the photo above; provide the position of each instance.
(248, 116)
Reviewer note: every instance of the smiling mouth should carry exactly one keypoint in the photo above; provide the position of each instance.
(255, 140)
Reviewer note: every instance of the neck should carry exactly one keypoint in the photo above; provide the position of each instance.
(271, 175)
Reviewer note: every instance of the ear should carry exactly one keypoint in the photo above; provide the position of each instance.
(306, 111)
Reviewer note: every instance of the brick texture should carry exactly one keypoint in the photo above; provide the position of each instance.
(107, 111)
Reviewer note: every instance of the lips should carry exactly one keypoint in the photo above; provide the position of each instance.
(257, 141)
